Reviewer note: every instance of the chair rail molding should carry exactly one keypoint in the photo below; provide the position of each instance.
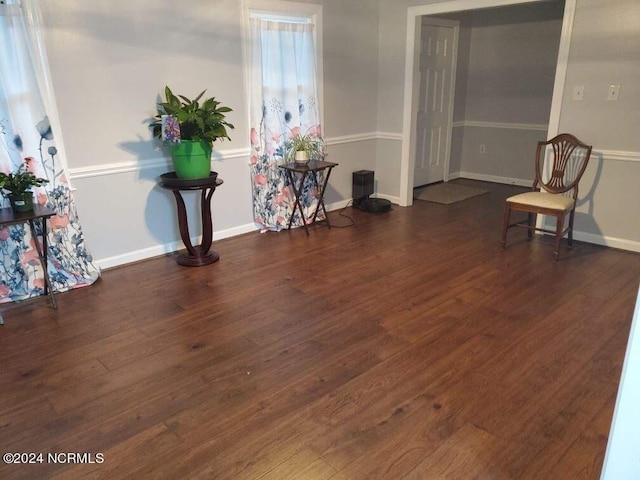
(503, 125)
(389, 136)
(227, 154)
(618, 156)
(358, 137)
(136, 166)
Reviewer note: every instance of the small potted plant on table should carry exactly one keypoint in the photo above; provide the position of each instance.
(302, 148)
(190, 127)
(17, 187)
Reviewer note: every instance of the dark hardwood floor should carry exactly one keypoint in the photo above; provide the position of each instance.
(408, 346)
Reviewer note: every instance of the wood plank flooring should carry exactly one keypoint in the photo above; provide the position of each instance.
(408, 346)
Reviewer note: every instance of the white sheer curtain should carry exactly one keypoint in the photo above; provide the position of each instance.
(18, 86)
(27, 136)
(283, 102)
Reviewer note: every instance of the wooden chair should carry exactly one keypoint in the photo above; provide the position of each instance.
(552, 194)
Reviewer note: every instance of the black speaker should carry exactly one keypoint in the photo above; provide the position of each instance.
(362, 184)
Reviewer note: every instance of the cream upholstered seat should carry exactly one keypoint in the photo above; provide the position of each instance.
(555, 195)
(544, 200)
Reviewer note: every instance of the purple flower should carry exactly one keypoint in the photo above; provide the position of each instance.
(170, 129)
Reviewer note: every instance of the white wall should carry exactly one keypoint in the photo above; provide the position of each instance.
(111, 60)
(622, 460)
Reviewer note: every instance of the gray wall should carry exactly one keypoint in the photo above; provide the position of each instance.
(506, 67)
(511, 62)
(605, 48)
(110, 61)
(391, 55)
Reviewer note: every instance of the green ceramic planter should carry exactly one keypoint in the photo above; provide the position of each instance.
(191, 159)
(21, 202)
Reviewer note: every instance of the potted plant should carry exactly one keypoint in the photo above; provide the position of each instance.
(18, 185)
(190, 127)
(302, 148)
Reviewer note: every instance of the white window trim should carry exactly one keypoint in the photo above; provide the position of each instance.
(285, 11)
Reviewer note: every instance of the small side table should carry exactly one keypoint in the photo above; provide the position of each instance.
(199, 255)
(9, 217)
(302, 170)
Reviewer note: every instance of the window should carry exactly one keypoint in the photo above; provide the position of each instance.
(294, 16)
(284, 83)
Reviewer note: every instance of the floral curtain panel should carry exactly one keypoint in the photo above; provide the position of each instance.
(26, 136)
(283, 103)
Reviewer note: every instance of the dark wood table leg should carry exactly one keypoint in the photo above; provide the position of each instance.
(42, 255)
(207, 223)
(297, 192)
(321, 197)
(200, 255)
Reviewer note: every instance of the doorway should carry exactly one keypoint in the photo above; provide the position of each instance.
(434, 121)
(412, 77)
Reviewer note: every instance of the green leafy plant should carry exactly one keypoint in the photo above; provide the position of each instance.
(20, 181)
(313, 145)
(198, 120)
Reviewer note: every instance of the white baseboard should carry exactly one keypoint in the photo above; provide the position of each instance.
(491, 178)
(163, 249)
(619, 243)
(338, 205)
(138, 255)
(605, 241)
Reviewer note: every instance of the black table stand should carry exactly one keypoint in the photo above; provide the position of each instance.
(9, 217)
(199, 255)
(310, 168)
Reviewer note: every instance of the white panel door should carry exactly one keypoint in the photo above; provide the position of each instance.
(433, 124)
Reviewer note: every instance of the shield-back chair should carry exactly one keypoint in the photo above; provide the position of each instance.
(555, 193)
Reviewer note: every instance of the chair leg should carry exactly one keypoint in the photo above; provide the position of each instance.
(530, 217)
(505, 225)
(559, 226)
(570, 239)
